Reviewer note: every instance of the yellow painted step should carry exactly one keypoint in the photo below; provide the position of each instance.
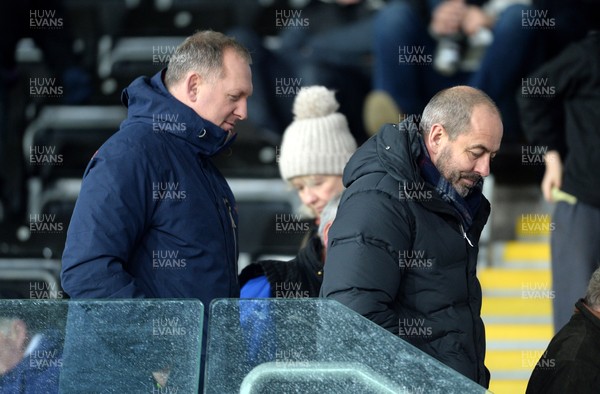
(523, 332)
(512, 360)
(516, 306)
(526, 251)
(507, 386)
(525, 280)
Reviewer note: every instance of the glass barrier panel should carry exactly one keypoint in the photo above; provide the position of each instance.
(315, 346)
(100, 346)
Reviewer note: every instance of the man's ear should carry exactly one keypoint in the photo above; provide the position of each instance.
(192, 85)
(437, 134)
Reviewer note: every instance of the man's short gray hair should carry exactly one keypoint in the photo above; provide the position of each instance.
(452, 109)
(203, 53)
(592, 296)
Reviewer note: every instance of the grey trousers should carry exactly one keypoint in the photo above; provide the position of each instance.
(575, 246)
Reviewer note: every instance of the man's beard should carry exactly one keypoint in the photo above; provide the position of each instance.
(443, 164)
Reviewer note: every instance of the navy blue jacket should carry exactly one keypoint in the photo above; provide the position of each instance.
(405, 263)
(154, 218)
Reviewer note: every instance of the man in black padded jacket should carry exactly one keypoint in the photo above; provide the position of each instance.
(403, 248)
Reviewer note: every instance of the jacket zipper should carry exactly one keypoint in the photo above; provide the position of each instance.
(233, 227)
(465, 235)
(474, 323)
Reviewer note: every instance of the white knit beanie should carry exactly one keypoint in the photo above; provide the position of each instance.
(318, 141)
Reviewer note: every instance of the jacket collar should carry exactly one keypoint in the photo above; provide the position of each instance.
(583, 309)
(149, 101)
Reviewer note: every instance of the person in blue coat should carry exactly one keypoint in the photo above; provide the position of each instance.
(30, 359)
(154, 217)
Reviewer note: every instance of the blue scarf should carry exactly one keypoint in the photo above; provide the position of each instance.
(465, 207)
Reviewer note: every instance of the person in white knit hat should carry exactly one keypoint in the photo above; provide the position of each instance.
(316, 147)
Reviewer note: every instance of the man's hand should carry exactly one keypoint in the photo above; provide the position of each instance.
(553, 175)
(447, 17)
(474, 20)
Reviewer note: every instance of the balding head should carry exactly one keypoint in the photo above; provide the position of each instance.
(453, 108)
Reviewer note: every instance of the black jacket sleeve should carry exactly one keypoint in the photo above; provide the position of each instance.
(362, 267)
(542, 111)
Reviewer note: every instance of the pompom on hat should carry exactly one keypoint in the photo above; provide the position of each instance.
(318, 141)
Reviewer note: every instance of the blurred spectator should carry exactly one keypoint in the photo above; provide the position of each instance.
(297, 278)
(482, 44)
(267, 110)
(48, 25)
(562, 117)
(333, 49)
(314, 43)
(155, 218)
(403, 247)
(570, 364)
(30, 359)
(315, 148)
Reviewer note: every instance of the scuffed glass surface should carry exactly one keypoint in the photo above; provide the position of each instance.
(315, 346)
(104, 346)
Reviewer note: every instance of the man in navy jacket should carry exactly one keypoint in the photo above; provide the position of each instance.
(155, 218)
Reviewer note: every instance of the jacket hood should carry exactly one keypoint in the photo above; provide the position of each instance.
(394, 150)
(148, 101)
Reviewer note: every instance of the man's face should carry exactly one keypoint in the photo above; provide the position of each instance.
(315, 191)
(12, 346)
(467, 159)
(224, 100)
